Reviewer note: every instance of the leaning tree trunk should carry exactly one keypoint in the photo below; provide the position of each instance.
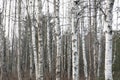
(108, 40)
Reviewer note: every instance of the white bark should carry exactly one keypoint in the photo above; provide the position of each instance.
(84, 55)
(90, 45)
(30, 46)
(34, 44)
(75, 57)
(31, 62)
(99, 40)
(19, 42)
(108, 40)
(108, 57)
(40, 39)
(29, 31)
(94, 30)
(49, 52)
(58, 42)
(84, 25)
(35, 52)
(69, 40)
(1, 45)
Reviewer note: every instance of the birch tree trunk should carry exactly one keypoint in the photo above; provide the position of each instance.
(34, 44)
(35, 52)
(30, 45)
(1, 45)
(69, 59)
(90, 45)
(2, 40)
(19, 42)
(84, 25)
(100, 43)
(30, 7)
(84, 54)
(9, 23)
(58, 42)
(75, 57)
(49, 51)
(40, 39)
(54, 44)
(94, 31)
(108, 40)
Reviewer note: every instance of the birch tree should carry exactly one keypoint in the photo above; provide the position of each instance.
(30, 44)
(19, 42)
(69, 41)
(75, 57)
(84, 25)
(35, 52)
(94, 31)
(99, 34)
(108, 40)
(58, 41)
(9, 23)
(90, 59)
(34, 44)
(84, 53)
(40, 39)
(49, 51)
(13, 42)
(1, 43)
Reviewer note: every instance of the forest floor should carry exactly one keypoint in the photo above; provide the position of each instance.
(26, 76)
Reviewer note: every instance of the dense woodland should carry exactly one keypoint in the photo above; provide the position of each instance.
(59, 40)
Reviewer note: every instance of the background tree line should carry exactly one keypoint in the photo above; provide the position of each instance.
(73, 40)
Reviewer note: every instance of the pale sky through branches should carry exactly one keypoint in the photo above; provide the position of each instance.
(63, 14)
